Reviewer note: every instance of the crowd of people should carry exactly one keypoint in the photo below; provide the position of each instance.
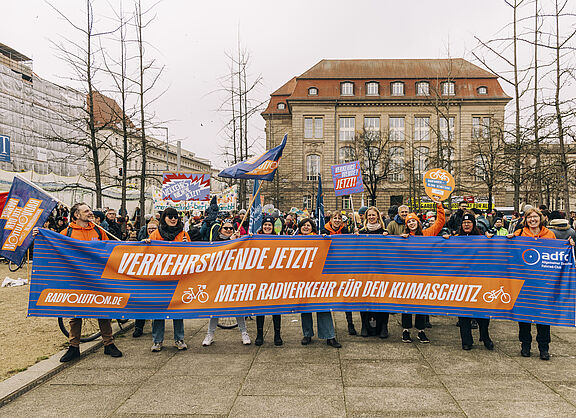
(213, 225)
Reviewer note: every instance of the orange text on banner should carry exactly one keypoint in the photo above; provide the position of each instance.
(82, 298)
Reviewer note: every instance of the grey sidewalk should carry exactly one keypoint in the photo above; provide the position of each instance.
(367, 377)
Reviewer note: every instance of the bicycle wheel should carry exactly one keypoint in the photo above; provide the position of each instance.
(15, 267)
(227, 323)
(90, 328)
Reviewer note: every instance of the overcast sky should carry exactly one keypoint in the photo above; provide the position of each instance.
(284, 39)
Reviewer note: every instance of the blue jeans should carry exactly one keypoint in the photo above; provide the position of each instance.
(158, 326)
(325, 325)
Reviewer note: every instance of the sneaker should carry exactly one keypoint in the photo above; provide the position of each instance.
(333, 343)
(71, 354)
(406, 338)
(156, 347)
(181, 345)
(422, 337)
(112, 350)
(246, 339)
(208, 340)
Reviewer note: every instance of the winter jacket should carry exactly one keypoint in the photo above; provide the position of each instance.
(396, 227)
(379, 231)
(328, 230)
(438, 224)
(561, 229)
(155, 236)
(455, 220)
(501, 232)
(544, 233)
(88, 233)
(482, 224)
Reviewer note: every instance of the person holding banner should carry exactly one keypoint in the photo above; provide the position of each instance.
(336, 227)
(374, 225)
(413, 227)
(268, 229)
(82, 228)
(467, 228)
(226, 232)
(325, 323)
(533, 227)
(171, 229)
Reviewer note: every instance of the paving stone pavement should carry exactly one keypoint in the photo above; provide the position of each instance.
(367, 377)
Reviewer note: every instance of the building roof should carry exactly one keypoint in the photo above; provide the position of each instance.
(396, 68)
(287, 89)
(107, 113)
(13, 54)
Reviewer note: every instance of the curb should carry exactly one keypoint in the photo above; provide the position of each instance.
(42, 371)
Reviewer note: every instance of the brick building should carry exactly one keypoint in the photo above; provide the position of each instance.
(425, 112)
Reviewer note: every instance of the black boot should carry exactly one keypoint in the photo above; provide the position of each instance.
(365, 324)
(259, 331)
(351, 329)
(277, 339)
(71, 354)
(525, 351)
(544, 354)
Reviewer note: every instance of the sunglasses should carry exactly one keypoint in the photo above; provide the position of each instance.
(227, 228)
(172, 216)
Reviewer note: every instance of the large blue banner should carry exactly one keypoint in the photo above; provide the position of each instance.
(519, 279)
(27, 206)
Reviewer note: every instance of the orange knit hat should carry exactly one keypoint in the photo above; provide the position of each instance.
(412, 216)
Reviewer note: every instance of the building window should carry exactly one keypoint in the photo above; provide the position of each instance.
(312, 91)
(448, 88)
(346, 155)
(346, 202)
(396, 164)
(397, 129)
(347, 89)
(307, 201)
(313, 127)
(372, 89)
(312, 167)
(281, 106)
(423, 88)
(372, 124)
(483, 90)
(446, 129)
(447, 158)
(480, 127)
(397, 88)
(479, 171)
(421, 129)
(347, 129)
(421, 161)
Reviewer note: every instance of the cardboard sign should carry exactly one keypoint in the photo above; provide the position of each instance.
(438, 184)
(347, 178)
(179, 187)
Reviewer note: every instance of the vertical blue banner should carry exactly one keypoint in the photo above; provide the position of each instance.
(256, 212)
(4, 148)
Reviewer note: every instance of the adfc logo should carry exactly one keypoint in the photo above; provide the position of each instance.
(19, 220)
(531, 256)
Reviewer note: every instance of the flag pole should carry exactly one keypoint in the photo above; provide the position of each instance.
(60, 201)
(353, 213)
(251, 203)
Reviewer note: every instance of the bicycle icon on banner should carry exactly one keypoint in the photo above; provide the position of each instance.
(438, 175)
(188, 296)
(493, 295)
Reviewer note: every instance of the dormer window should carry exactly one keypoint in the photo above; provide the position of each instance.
(372, 88)
(347, 89)
(448, 88)
(397, 88)
(281, 106)
(483, 90)
(312, 91)
(422, 88)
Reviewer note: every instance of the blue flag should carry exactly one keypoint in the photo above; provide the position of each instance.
(261, 167)
(256, 213)
(27, 206)
(320, 206)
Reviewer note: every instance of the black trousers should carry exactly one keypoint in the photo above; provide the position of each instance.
(419, 321)
(260, 322)
(466, 329)
(349, 318)
(542, 334)
(380, 317)
(139, 323)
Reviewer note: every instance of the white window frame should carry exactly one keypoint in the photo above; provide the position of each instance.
(483, 90)
(443, 125)
(396, 128)
(281, 106)
(346, 154)
(346, 204)
(372, 123)
(397, 88)
(420, 91)
(312, 167)
(347, 88)
(396, 164)
(479, 173)
(421, 161)
(307, 201)
(448, 88)
(480, 127)
(313, 91)
(421, 128)
(313, 127)
(347, 128)
(372, 88)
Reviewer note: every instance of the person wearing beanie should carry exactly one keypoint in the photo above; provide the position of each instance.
(413, 227)
(362, 213)
(468, 228)
(533, 227)
(336, 226)
(268, 229)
